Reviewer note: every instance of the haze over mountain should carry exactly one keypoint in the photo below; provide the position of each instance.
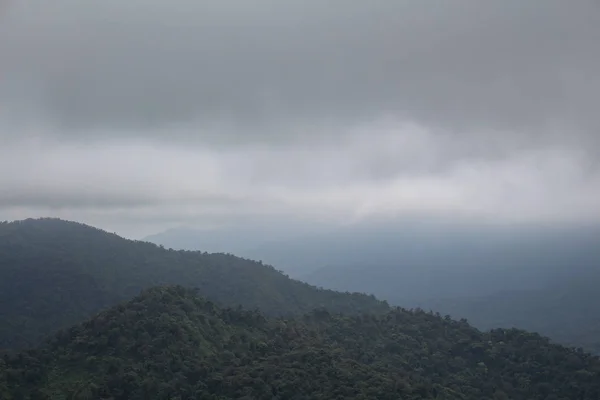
(409, 245)
(543, 279)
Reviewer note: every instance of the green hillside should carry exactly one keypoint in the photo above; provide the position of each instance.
(56, 273)
(169, 343)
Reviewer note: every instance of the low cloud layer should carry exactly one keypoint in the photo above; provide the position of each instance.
(124, 184)
(144, 115)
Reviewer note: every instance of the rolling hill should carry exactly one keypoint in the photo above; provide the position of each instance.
(55, 273)
(170, 343)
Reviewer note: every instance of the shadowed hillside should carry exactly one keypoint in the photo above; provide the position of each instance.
(55, 273)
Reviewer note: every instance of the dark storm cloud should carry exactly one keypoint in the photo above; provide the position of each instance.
(462, 65)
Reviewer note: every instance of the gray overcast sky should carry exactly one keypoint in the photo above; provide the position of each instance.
(142, 115)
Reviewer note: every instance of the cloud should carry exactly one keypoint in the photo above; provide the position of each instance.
(145, 114)
(126, 183)
(467, 65)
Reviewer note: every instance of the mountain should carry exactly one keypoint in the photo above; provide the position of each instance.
(55, 273)
(548, 285)
(568, 312)
(541, 278)
(170, 343)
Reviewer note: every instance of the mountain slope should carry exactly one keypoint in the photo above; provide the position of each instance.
(566, 309)
(568, 312)
(170, 343)
(544, 281)
(55, 273)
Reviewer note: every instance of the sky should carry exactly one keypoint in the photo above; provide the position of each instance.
(140, 116)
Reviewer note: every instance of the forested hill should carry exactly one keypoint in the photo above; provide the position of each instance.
(170, 343)
(55, 273)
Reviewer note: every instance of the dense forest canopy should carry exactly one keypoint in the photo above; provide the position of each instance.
(55, 273)
(171, 343)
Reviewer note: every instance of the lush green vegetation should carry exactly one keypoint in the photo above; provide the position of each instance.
(169, 343)
(55, 273)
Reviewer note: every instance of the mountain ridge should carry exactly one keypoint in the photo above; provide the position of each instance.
(89, 269)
